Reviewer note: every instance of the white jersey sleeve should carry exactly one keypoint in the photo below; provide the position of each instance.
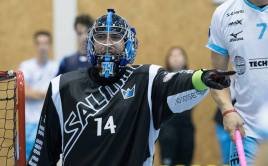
(216, 41)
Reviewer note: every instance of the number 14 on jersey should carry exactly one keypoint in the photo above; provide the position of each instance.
(108, 126)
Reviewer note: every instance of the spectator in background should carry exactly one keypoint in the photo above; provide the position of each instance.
(38, 72)
(222, 135)
(78, 60)
(176, 136)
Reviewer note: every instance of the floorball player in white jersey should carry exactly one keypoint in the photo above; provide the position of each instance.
(238, 33)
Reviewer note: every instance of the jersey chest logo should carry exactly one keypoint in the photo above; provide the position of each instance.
(128, 93)
(236, 22)
(236, 36)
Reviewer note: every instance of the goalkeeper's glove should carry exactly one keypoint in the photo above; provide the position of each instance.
(216, 79)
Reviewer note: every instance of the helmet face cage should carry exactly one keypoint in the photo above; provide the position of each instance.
(115, 29)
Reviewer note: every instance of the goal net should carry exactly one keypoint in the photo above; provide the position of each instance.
(12, 119)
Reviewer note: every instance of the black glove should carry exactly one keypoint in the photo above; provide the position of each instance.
(217, 79)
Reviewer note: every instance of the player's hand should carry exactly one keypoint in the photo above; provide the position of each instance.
(217, 79)
(233, 121)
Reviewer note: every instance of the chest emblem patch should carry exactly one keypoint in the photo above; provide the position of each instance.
(128, 93)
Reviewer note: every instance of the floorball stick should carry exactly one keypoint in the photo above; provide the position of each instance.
(240, 148)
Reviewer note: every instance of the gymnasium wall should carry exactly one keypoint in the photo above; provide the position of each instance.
(19, 20)
(159, 24)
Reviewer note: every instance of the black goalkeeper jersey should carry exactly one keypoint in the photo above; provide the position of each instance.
(95, 122)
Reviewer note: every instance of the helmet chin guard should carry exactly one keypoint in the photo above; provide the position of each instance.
(111, 44)
(107, 67)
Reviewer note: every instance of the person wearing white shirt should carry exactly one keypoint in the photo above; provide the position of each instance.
(38, 72)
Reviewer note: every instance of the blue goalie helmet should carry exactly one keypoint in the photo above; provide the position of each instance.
(111, 44)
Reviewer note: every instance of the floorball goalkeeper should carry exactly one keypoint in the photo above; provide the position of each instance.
(111, 114)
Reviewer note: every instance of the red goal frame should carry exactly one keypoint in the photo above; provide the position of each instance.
(19, 109)
(21, 117)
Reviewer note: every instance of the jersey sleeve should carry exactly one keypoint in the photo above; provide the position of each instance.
(174, 93)
(47, 147)
(216, 41)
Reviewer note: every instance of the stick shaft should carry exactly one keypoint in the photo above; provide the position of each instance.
(240, 148)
